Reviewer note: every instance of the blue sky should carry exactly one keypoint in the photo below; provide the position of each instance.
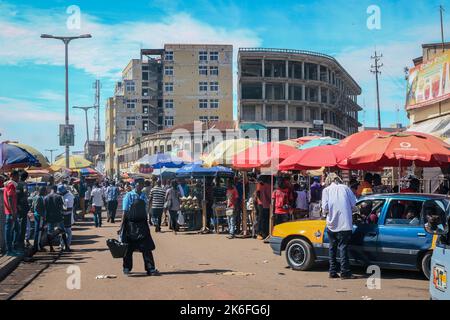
(32, 73)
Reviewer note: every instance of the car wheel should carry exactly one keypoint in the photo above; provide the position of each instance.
(426, 264)
(299, 255)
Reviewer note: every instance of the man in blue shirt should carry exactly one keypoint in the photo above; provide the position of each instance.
(112, 196)
(338, 202)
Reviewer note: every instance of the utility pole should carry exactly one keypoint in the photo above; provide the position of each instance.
(97, 87)
(86, 109)
(376, 70)
(51, 153)
(441, 11)
(66, 41)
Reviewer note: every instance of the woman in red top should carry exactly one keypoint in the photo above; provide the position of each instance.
(282, 199)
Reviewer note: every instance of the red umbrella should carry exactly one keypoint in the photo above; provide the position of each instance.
(314, 158)
(303, 140)
(401, 149)
(262, 155)
(355, 140)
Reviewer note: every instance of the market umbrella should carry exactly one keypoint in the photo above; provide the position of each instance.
(401, 149)
(12, 156)
(306, 139)
(357, 139)
(291, 143)
(44, 164)
(262, 155)
(75, 162)
(89, 172)
(319, 142)
(314, 158)
(224, 152)
(160, 160)
(196, 170)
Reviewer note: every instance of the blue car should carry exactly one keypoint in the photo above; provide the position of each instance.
(388, 231)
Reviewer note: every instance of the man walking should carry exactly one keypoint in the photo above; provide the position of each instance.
(54, 206)
(112, 196)
(338, 202)
(10, 207)
(156, 200)
(136, 231)
(67, 214)
(23, 208)
(97, 203)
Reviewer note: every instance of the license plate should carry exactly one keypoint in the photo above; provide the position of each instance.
(440, 278)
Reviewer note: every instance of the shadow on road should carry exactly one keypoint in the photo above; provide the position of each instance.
(183, 272)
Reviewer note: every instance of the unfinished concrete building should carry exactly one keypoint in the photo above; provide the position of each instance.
(294, 91)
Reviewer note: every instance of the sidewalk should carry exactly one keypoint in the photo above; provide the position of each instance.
(8, 265)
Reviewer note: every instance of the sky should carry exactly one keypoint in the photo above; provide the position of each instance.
(32, 69)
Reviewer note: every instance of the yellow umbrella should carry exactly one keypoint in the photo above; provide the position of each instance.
(224, 152)
(75, 162)
(35, 153)
(290, 143)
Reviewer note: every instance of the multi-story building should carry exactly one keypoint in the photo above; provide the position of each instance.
(166, 87)
(297, 92)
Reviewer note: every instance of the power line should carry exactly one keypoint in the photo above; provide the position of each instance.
(376, 70)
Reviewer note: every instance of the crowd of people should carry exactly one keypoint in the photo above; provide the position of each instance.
(50, 211)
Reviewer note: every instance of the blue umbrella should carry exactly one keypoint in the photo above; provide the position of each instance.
(195, 170)
(160, 160)
(12, 156)
(319, 142)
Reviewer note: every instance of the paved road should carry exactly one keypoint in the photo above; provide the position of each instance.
(195, 267)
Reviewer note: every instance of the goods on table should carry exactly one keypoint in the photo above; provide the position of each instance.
(190, 203)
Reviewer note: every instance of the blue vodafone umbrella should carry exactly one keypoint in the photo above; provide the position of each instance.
(162, 160)
(12, 156)
(196, 170)
(319, 142)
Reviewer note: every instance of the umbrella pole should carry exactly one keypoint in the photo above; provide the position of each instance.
(205, 229)
(244, 207)
(271, 216)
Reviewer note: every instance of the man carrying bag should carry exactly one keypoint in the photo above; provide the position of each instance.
(135, 231)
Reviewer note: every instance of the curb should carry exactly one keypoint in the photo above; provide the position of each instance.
(8, 265)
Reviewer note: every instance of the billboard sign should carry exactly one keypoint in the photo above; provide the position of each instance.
(429, 82)
(67, 135)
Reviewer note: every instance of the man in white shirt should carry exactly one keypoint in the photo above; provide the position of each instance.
(97, 203)
(68, 198)
(338, 202)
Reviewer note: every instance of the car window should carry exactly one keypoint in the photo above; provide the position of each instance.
(370, 210)
(404, 212)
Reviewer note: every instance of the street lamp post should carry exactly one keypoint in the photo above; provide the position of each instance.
(51, 153)
(86, 109)
(66, 41)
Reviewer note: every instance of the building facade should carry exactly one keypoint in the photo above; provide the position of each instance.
(166, 87)
(297, 92)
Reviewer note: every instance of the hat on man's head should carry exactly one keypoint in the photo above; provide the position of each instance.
(332, 177)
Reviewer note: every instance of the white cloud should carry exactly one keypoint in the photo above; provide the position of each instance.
(112, 45)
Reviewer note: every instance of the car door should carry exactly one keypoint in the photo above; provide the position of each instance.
(363, 246)
(400, 237)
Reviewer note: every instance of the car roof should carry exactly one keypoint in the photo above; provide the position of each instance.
(424, 196)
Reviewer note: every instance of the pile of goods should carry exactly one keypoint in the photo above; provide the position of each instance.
(189, 203)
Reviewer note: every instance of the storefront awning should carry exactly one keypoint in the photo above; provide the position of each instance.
(439, 127)
(252, 126)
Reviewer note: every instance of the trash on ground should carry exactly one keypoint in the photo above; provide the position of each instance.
(236, 273)
(266, 261)
(341, 290)
(366, 298)
(106, 276)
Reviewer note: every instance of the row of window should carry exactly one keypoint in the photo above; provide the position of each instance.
(202, 70)
(202, 86)
(213, 103)
(168, 104)
(202, 56)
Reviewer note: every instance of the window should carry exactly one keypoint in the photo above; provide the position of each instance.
(169, 56)
(168, 104)
(145, 75)
(145, 92)
(214, 103)
(249, 113)
(168, 86)
(203, 70)
(203, 104)
(404, 212)
(203, 56)
(214, 56)
(370, 210)
(275, 113)
(203, 119)
(251, 91)
(131, 104)
(145, 109)
(130, 86)
(168, 121)
(168, 70)
(203, 86)
(214, 118)
(214, 86)
(214, 71)
(145, 126)
(131, 121)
